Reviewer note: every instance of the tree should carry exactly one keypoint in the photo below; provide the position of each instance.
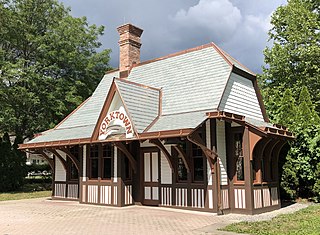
(48, 64)
(306, 110)
(287, 109)
(12, 165)
(291, 89)
(300, 174)
(293, 61)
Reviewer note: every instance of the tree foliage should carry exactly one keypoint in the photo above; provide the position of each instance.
(300, 173)
(291, 89)
(12, 165)
(48, 64)
(293, 61)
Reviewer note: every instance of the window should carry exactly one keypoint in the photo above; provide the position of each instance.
(94, 161)
(182, 170)
(238, 152)
(182, 173)
(74, 174)
(107, 152)
(198, 162)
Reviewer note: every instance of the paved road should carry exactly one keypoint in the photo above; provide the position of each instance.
(43, 216)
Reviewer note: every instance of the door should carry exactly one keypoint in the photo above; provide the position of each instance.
(151, 177)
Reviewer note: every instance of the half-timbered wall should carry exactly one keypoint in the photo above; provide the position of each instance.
(166, 172)
(60, 173)
(63, 188)
(221, 149)
(60, 176)
(104, 192)
(209, 146)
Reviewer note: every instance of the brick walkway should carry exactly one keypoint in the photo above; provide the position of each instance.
(42, 216)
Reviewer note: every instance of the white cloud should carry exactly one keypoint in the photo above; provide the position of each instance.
(242, 35)
(238, 26)
(209, 19)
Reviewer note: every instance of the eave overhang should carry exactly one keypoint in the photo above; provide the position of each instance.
(142, 137)
(276, 131)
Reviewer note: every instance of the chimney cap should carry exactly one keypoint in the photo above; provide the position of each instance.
(130, 28)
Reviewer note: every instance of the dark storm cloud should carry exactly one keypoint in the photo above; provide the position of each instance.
(239, 27)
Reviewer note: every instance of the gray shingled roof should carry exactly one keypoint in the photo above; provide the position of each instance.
(81, 123)
(70, 133)
(179, 121)
(191, 84)
(141, 102)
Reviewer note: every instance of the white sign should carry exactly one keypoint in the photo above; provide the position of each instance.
(116, 122)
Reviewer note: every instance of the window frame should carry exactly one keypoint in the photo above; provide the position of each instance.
(101, 175)
(75, 151)
(184, 147)
(237, 131)
(201, 132)
(90, 158)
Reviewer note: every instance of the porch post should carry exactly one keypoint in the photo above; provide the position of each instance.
(83, 175)
(117, 180)
(248, 171)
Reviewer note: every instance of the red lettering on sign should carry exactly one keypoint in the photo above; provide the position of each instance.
(111, 116)
(107, 120)
(126, 121)
(116, 117)
(128, 129)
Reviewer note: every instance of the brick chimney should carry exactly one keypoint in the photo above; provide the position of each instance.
(129, 47)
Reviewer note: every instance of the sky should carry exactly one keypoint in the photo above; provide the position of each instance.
(240, 27)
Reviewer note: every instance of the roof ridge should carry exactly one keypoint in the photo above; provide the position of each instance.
(174, 54)
(137, 84)
(224, 54)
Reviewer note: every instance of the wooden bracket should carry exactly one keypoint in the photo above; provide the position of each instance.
(278, 148)
(183, 156)
(160, 146)
(70, 155)
(63, 162)
(211, 155)
(131, 159)
(44, 155)
(268, 150)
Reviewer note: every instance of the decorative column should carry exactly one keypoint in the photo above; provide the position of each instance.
(248, 179)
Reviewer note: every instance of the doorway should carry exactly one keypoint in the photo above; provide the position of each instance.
(151, 171)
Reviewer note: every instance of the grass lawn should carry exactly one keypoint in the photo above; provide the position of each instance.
(305, 221)
(23, 195)
(29, 190)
